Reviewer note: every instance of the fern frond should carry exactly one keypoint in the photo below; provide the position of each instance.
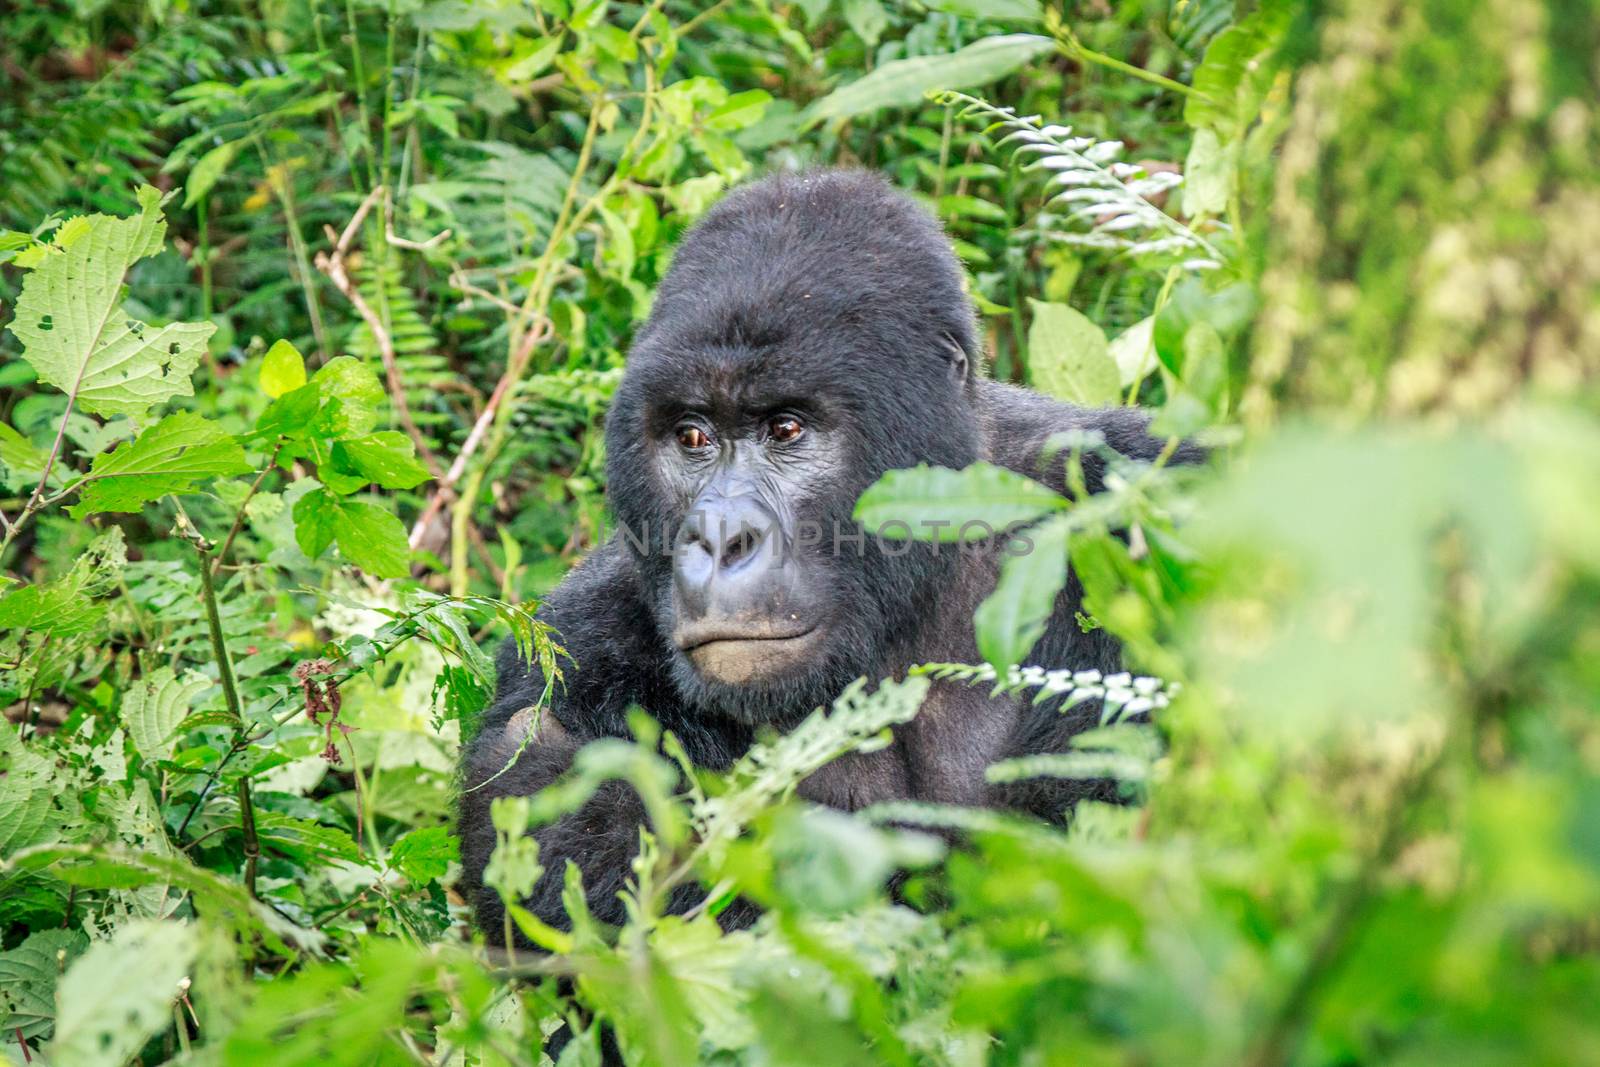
(1105, 202)
(1124, 694)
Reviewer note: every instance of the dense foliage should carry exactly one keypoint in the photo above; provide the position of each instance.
(313, 308)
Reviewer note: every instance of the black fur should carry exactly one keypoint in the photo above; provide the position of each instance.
(833, 291)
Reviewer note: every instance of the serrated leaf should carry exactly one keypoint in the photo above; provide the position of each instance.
(66, 606)
(291, 413)
(355, 394)
(169, 457)
(314, 518)
(120, 992)
(283, 369)
(387, 457)
(903, 82)
(28, 980)
(424, 855)
(1068, 356)
(154, 708)
(373, 539)
(25, 793)
(938, 504)
(367, 535)
(77, 336)
(21, 461)
(306, 841)
(1011, 620)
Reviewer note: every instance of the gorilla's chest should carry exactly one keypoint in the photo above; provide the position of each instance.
(939, 756)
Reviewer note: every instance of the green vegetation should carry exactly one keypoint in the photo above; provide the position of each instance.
(312, 309)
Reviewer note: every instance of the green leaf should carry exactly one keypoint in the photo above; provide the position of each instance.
(27, 793)
(292, 413)
(386, 457)
(1018, 10)
(169, 457)
(21, 461)
(73, 328)
(368, 536)
(314, 517)
(938, 504)
(867, 19)
(1011, 620)
(1208, 174)
(153, 708)
(1068, 356)
(738, 111)
(424, 855)
(1133, 351)
(283, 370)
(28, 981)
(904, 82)
(373, 539)
(207, 169)
(66, 606)
(1238, 70)
(120, 992)
(356, 396)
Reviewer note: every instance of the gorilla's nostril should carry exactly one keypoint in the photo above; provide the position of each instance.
(740, 545)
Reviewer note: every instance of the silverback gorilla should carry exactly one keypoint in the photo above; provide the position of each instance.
(811, 334)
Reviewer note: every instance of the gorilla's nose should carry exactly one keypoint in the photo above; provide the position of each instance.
(727, 560)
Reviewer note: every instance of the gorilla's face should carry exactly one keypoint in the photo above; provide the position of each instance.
(810, 336)
(748, 603)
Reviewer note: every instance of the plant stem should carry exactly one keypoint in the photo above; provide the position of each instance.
(1070, 46)
(230, 695)
(361, 87)
(238, 520)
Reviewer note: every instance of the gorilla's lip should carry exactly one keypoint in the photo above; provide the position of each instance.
(695, 637)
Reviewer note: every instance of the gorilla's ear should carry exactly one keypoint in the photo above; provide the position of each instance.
(957, 356)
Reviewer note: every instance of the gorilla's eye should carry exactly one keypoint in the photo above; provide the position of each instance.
(785, 428)
(692, 438)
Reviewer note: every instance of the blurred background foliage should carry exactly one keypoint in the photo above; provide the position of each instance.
(1353, 246)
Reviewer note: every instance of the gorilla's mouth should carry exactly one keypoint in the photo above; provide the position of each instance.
(739, 655)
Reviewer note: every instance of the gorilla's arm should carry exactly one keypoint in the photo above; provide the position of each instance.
(604, 629)
(1020, 423)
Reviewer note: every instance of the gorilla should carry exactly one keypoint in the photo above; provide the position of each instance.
(811, 334)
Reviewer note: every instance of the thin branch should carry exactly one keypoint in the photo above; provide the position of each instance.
(334, 267)
(238, 520)
(230, 694)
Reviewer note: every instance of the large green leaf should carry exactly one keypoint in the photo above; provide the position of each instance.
(21, 461)
(153, 708)
(938, 504)
(1011, 620)
(386, 457)
(903, 82)
(1068, 356)
(77, 336)
(1238, 70)
(120, 993)
(28, 981)
(67, 606)
(169, 457)
(370, 537)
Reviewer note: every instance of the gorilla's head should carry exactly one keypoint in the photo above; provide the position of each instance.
(811, 334)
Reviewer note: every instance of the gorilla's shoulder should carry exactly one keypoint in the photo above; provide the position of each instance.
(602, 623)
(1019, 424)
